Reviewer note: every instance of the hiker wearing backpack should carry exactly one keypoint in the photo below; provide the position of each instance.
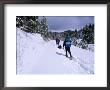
(67, 44)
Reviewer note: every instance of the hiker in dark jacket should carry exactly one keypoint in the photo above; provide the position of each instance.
(67, 45)
(57, 41)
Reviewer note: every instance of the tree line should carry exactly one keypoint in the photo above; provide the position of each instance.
(32, 24)
(86, 34)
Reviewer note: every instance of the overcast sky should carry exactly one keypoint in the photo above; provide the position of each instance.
(63, 23)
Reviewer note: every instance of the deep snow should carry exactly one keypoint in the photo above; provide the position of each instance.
(36, 56)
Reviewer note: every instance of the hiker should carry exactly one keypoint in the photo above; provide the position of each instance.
(57, 41)
(67, 45)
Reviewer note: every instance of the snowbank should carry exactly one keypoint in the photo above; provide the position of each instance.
(85, 58)
(28, 46)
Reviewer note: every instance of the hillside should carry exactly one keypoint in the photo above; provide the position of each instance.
(36, 56)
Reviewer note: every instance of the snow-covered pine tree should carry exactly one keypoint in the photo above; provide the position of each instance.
(19, 21)
(44, 27)
(38, 25)
(88, 34)
(29, 23)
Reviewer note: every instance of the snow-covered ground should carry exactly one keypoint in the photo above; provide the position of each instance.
(35, 56)
(91, 47)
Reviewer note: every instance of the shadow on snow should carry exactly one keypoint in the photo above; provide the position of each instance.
(60, 53)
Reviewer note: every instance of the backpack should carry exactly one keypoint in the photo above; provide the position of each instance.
(59, 46)
(68, 42)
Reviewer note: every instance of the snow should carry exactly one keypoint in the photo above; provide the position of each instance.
(91, 47)
(36, 56)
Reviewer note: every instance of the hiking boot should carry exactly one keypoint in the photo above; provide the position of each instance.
(66, 55)
(71, 56)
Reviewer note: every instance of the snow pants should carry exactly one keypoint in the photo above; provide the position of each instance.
(57, 43)
(68, 50)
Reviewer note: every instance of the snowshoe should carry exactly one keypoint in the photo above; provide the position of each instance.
(70, 57)
(66, 55)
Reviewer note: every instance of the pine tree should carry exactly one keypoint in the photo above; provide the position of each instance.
(88, 33)
(19, 21)
(44, 27)
(76, 33)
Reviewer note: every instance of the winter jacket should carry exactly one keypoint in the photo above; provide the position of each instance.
(57, 40)
(67, 42)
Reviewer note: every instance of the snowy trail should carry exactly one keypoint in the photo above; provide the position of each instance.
(35, 56)
(53, 61)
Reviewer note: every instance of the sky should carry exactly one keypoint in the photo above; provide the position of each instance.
(63, 23)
